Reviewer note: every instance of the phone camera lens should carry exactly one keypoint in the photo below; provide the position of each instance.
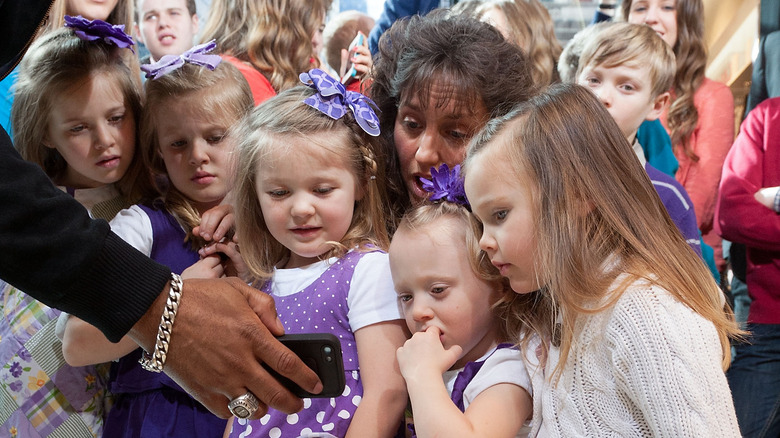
(327, 350)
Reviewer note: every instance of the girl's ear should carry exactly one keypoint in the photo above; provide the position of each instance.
(46, 143)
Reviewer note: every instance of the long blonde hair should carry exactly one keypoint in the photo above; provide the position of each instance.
(272, 35)
(691, 55)
(531, 28)
(596, 209)
(262, 138)
(225, 96)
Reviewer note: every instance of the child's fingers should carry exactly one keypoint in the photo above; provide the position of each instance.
(216, 222)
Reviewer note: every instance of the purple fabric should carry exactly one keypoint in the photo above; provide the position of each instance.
(197, 55)
(678, 205)
(319, 308)
(334, 100)
(99, 30)
(152, 404)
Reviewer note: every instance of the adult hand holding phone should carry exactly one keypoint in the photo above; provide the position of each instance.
(224, 331)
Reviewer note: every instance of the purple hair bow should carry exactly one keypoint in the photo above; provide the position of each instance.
(446, 184)
(333, 99)
(92, 30)
(197, 55)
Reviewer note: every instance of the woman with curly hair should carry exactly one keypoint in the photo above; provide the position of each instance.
(437, 80)
(270, 41)
(700, 119)
(527, 23)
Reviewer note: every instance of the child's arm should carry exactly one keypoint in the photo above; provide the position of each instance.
(83, 344)
(384, 392)
(498, 411)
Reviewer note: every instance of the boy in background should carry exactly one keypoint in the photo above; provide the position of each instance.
(631, 69)
(165, 27)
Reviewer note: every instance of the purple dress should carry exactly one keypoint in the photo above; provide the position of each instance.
(320, 307)
(152, 404)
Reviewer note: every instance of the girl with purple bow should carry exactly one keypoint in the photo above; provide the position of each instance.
(310, 217)
(74, 114)
(191, 106)
(454, 301)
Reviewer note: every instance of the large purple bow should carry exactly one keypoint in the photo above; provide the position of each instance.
(92, 30)
(446, 184)
(333, 99)
(197, 55)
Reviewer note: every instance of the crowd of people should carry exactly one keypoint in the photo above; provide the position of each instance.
(507, 237)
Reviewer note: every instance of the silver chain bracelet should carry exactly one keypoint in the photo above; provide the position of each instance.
(154, 362)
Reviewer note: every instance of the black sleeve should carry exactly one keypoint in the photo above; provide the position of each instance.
(51, 249)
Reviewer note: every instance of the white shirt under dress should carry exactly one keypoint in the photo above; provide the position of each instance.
(647, 367)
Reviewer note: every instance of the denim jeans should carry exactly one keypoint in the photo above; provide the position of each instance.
(754, 378)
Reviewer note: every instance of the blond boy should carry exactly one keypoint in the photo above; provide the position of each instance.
(631, 70)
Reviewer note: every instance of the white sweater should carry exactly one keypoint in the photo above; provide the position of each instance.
(649, 366)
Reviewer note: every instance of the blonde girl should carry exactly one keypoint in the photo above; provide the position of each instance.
(700, 119)
(270, 41)
(638, 338)
(453, 301)
(527, 23)
(186, 132)
(74, 115)
(311, 224)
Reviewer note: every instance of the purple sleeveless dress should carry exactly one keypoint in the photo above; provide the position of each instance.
(152, 404)
(319, 308)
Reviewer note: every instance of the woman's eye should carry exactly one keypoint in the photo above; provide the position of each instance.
(458, 134)
(411, 124)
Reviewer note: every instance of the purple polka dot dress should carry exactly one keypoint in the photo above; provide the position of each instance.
(320, 307)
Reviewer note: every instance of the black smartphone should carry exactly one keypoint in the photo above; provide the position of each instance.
(322, 353)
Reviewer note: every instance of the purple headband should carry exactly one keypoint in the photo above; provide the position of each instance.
(197, 55)
(94, 30)
(334, 100)
(446, 184)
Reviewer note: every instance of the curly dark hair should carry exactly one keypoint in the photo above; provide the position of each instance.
(462, 53)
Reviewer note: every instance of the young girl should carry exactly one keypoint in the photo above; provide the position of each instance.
(638, 339)
(312, 228)
(270, 41)
(186, 132)
(700, 119)
(527, 23)
(437, 81)
(74, 114)
(452, 300)
(118, 12)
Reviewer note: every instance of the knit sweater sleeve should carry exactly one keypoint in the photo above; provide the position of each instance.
(751, 165)
(51, 249)
(667, 362)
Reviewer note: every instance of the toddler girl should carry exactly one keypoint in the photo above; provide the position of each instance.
(74, 114)
(185, 129)
(453, 299)
(637, 339)
(311, 225)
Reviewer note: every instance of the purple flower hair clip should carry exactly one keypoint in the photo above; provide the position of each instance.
(99, 30)
(446, 184)
(198, 55)
(334, 100)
